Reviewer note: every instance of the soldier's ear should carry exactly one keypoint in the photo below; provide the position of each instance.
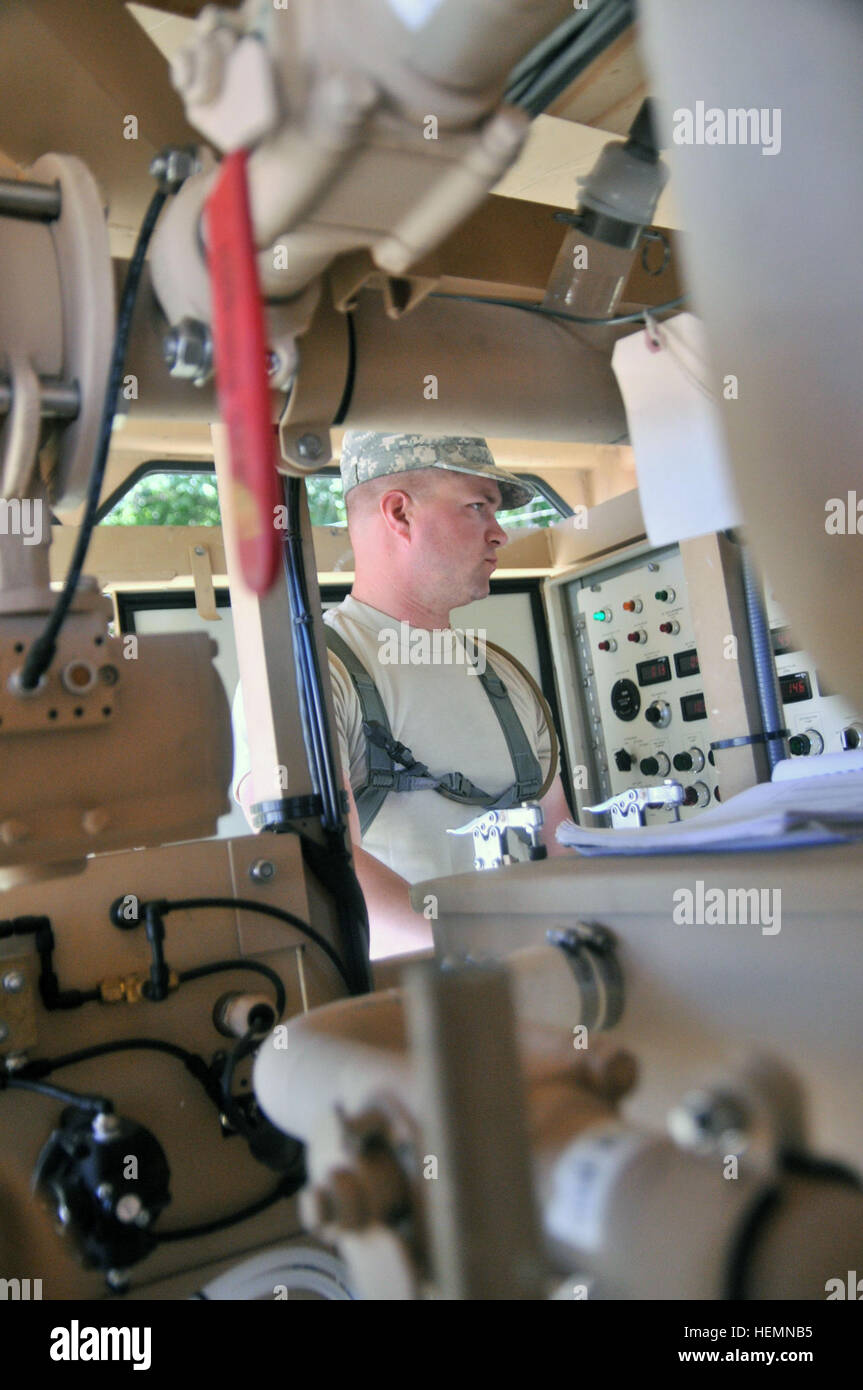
(395, 507)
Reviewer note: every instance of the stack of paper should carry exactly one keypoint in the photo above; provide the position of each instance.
(787, 813)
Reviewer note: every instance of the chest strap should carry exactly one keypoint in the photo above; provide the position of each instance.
(383, 751)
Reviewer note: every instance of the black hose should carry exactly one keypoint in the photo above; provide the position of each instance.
(189, 904)
(98, 1104)
(220, 966)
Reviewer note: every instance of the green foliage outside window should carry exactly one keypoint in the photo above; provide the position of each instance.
(191, 499)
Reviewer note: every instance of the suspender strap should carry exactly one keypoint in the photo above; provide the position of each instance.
(379, 767)
(528, 773)
(383, 751)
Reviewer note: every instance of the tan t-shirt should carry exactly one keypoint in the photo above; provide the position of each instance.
(438, 708)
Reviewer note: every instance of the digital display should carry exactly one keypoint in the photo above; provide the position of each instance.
(652, 672)
(794, 688)
(783, 641)
(692, 707)
(687, 663)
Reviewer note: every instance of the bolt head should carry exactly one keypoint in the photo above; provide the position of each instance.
(105, 1126)
(309, 446)
(262, 871)
(128, 1208)
(14, 981)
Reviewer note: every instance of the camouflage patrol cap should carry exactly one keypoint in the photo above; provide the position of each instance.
(366, 455)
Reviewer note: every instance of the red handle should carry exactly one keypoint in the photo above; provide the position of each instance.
(239, 352)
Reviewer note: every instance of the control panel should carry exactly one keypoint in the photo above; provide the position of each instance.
(818, 721)
(640, 675)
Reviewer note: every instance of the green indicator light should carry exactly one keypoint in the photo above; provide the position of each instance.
(601, 615)
(661, 594)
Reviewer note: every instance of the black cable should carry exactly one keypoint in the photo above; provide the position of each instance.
(98, 1104)
(190, 904)
(555, 63)
(318, 745)
(244, 1049)
(286, 1188)
(195, 1065)
(640, 314)
(42, 652)
(220, 966)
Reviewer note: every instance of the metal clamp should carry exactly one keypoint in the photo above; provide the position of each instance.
(490, 830)
(627, 808)
(591, 950)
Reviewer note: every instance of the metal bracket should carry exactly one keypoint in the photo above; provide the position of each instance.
(627, 808)
(202, 576)
(491, 850)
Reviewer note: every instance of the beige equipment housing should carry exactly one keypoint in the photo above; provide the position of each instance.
(418, 189)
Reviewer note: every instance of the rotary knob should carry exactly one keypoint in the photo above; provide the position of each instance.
(658, 713)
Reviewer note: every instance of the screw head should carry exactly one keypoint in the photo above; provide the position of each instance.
(262, 871)
(14, 981)
(309, 446)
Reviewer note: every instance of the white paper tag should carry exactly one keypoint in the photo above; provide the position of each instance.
(684, 481)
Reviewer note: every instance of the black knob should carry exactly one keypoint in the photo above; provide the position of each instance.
(682, 762)
(690, 797)
(623, 760)
(649, 767)
(653, 714)
(800, 745)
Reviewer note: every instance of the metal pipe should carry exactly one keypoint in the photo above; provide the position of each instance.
(762, 656)
(58, 399)
(37, 202)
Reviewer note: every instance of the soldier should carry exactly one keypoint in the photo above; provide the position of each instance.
(454, 728)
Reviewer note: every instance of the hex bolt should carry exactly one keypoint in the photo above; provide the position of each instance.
(14, 981)
(128, 1208)
(309, 446)
(262, 871)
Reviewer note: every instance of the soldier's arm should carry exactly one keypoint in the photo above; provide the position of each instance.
(554, 810)
(395, 927)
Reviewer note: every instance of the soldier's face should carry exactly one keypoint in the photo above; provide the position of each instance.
(457, 536)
